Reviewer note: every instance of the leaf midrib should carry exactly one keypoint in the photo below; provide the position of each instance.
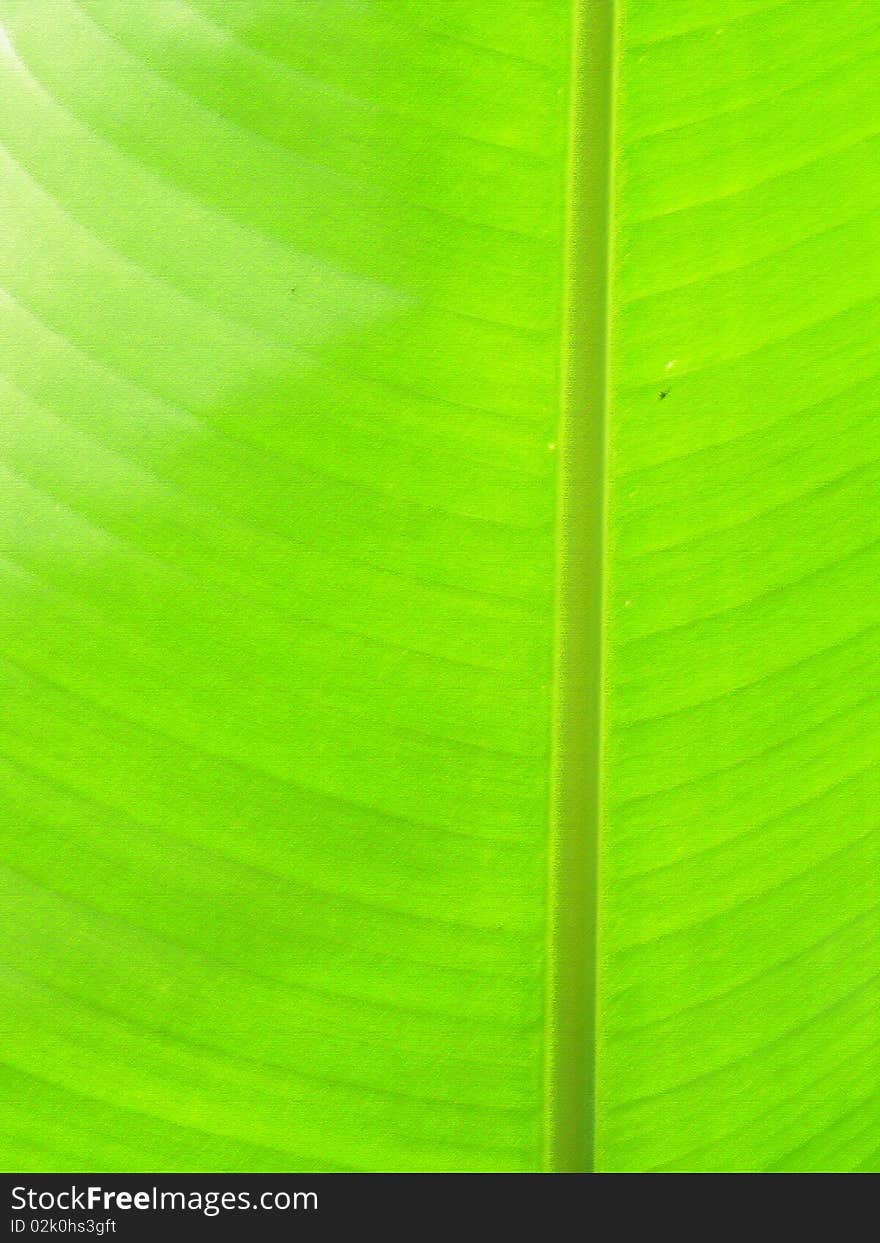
(570, 1072)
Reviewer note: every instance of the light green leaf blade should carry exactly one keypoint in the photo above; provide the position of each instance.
(282, 326)
(739, 930)
(315, 320)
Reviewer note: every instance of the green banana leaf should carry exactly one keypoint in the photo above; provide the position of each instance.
(440, 547)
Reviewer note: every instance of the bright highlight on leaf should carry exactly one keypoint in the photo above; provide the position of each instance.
(439, 548)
